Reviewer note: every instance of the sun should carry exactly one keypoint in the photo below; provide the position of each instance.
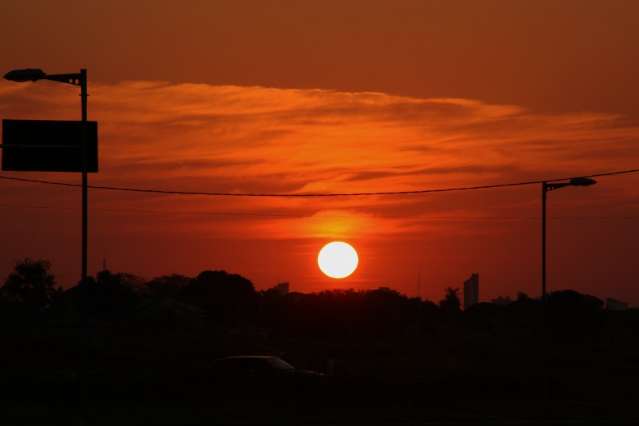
(337, 259)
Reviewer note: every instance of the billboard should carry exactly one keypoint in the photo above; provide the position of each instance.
(48, 146)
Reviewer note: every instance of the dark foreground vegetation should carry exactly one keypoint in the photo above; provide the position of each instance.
(121, 350)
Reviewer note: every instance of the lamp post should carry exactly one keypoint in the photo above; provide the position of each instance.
(75, 79)
(545, 188)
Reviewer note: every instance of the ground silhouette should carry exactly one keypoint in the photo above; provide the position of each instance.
(118, 337)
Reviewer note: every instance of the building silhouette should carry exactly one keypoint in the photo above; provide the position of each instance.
(471, 291)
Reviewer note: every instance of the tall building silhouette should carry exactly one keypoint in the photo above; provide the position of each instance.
(471, 291)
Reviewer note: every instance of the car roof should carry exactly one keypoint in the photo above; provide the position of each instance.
(248, 357)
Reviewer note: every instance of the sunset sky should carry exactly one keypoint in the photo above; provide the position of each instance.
(337, 96)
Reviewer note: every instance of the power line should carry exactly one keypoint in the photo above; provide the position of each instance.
(461, 219)
(146, 211)
(313, 194)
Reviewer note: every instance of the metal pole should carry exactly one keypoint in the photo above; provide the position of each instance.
(544, 190)
(85, 181)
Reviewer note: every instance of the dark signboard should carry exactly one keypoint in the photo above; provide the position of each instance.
(48, 146)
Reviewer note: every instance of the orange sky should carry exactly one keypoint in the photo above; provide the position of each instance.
(341, 96)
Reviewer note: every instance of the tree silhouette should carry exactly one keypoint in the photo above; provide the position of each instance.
(112, 296)
(167, 286)
(450, 302)
(31, 284)
(226, 297)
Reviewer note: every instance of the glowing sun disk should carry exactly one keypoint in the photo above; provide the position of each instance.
(337, 259)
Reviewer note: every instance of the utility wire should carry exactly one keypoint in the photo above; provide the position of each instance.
(301, 216)
(145, 211)
(313, 194)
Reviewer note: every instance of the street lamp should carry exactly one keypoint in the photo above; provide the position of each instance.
(75, 79)
(545, 188)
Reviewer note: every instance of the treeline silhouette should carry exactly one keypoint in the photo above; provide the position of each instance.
(31, 295)
(118, 334)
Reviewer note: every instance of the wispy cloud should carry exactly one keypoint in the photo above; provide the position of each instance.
(257, 139)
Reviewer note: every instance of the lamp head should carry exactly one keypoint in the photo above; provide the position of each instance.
(28, 74)
(582, 181)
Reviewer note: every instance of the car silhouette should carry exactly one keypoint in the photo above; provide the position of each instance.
(245, 371)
